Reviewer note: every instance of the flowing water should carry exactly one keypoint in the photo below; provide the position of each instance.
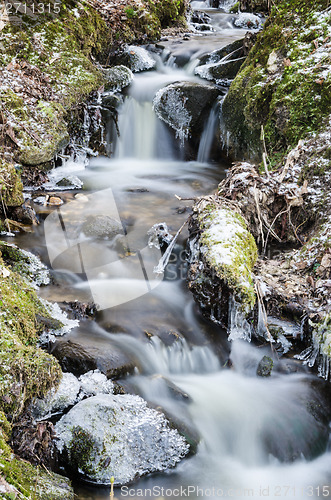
(258, 437)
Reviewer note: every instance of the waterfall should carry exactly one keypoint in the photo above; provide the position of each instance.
(208, 135)
(142, 135)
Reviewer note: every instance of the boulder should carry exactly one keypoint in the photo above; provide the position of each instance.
(222, 64)
(119, 436)
(185, 106)
(222, 257)
(265, 367)
(83, 356)
(135, 58)
(101, 226)
(117, 78)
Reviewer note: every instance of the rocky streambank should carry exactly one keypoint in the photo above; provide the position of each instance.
(277, 116)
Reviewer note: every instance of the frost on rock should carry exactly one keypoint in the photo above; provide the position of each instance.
(140, 59)
(118, 78)
(94, 382)
(185, 106)
(70, 391)
(170, 107)
(319, 352)
(246, 20)
(26, 263)
(222, 65)
(229, 249)
(65, 324)
(107, 435)
(58, 399)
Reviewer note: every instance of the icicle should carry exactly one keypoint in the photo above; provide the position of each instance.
(239, 328)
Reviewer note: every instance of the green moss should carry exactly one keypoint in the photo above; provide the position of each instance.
(234, 9)
(81, 448)
(26, 371)
(322, 332)
(10, 185)
(34, 482)
(230, 250)
(292, 100)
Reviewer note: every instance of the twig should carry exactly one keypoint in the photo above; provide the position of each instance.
(271, 230)
(112, 480)
(185, 199)
(258, 213)
(265, 153)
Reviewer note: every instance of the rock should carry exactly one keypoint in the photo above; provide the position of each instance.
(70, 182)
(51, 486)
(119, 436)
(249, 21)
(222, 256)
(83, 356)
(111, 101)
(13, 225)
(265, 367)
(118, 78)
(184, 106)
(95, 382)
(55, 201)
(222, 64)
(235, 48)
(139, 59)
(11, 185)
(220, 72)
(26, 263)
(25, 214)
(102, 226)
(135, 58)
(202, 27)
(200, 17)
(70, 391)
(35, 152)
(57, 400)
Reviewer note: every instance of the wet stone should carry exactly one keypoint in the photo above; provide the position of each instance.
(83, 356)
(265, 367)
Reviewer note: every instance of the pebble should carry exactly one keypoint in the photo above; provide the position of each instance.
(55, 200)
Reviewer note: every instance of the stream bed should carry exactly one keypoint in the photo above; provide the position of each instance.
(257, 437)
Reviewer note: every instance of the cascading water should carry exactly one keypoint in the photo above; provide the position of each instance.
(257, 437)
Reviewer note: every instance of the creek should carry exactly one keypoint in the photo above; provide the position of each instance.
(257, 435)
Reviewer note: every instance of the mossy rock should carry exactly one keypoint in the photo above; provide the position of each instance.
(289, 97)
(230, 250)
(222, 257)
(26, 372)
(51, 116)
(11, 185)
(118, 78)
